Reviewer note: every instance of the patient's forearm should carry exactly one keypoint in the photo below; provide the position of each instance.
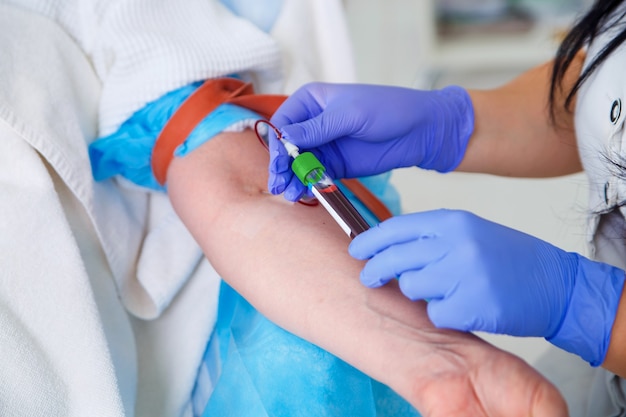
(291, 262)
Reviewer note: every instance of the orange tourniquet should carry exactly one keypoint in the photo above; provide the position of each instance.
(207, 98)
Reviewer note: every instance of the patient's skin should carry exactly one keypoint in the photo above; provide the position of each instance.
(291, 262)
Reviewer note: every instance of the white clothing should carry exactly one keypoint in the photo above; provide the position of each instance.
(106, 302)
(599, 120)
(143, 48)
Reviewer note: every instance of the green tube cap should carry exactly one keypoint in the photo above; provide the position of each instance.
(305, 165)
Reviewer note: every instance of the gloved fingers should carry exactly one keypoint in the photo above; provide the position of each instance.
(466, 316)
(365, 280)
(295, 190)
(277, 183)
(318, 131)
(280, 174)
(444, 316)
(280, 161)
(275, 147)
(450, 304)
(398, 259)
(301, 105)
(309, 119)
(422, 284)
(281, 178)
(396, 230)
(472, 300)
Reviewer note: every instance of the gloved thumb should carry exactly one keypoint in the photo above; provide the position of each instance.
(317, 131)
(446, 316)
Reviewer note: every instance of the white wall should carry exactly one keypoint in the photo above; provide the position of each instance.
(388, 50)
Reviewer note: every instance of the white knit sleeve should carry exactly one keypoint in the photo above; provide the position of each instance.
(145, 48)
(142, 49)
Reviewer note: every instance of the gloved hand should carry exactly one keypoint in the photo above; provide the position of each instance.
(482, 276)
(359, 130)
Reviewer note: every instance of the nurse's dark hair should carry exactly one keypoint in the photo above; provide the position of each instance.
(600, 17)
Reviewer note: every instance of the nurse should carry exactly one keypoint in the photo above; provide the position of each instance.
(553, 120)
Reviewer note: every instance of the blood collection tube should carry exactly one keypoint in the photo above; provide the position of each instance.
(312, 173)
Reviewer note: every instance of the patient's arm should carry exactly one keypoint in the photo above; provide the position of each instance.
(291, 262)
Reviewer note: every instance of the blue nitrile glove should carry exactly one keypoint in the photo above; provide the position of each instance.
(482, 276)
(358, 130)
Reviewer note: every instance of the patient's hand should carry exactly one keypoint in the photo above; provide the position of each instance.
(291, 262)
(452, 374)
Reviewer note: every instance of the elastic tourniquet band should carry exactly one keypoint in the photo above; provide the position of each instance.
(207, 98)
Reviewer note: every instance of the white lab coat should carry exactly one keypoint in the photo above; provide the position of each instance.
(601, 136)
(106, 302)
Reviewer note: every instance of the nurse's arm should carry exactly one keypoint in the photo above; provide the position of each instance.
(514, 134)
(291, 262)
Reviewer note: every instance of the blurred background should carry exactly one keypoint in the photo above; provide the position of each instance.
(476, 44)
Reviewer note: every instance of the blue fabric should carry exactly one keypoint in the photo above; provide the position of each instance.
(266, 371)
(222, 117)
(127, 152)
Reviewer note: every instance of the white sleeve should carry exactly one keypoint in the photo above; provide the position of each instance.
(141, 49)
(146, 48)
